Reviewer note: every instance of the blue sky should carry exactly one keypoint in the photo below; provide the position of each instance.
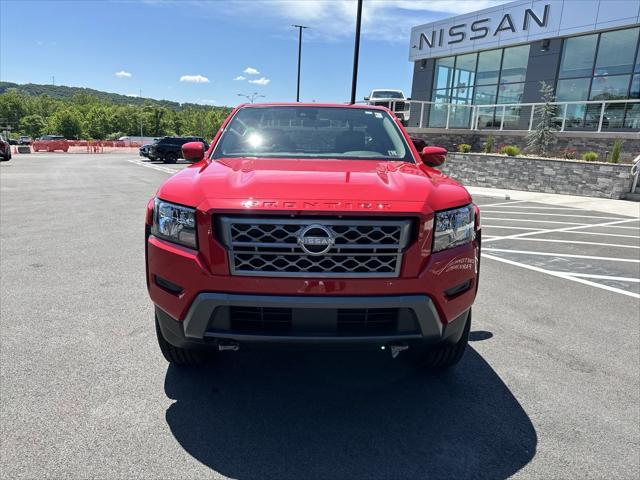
(208, 51)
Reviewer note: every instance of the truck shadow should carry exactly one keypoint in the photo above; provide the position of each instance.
(348, 415)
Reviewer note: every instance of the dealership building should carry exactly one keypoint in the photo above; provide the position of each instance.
(482, 71)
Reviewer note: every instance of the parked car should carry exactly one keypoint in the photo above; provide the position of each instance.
(25, 140)
(312, 224)
(143, 151)
(394, 100)
(50, 143)
(5, 149)
(169, 149)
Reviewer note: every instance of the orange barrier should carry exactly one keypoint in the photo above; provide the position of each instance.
(86, 146)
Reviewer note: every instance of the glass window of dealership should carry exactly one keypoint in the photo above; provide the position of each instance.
(591, 67)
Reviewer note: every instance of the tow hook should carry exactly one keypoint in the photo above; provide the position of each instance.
(396, 348)
(228, 345)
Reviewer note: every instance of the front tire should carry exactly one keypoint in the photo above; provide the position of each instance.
(441, 357)
(180, 357)
(170, 158)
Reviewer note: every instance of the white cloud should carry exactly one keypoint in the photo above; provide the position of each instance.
(123, 74)
(207, 101)
(251, 71)
(260, 81)
(389, 20)
(134, 95)
(194, 79)
(240, 77)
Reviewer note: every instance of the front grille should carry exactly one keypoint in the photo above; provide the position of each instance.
(260, 319)
(369, 321)
(394, 106)
(285, 246)
(339, 322)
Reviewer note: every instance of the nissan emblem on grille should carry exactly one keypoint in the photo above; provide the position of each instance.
(316, 239)
(290, 246)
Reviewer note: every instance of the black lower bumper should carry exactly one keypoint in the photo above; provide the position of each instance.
(309, 320)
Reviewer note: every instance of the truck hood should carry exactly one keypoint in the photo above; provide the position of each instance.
(260, 181)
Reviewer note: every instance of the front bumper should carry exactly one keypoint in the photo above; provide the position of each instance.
(314, 322)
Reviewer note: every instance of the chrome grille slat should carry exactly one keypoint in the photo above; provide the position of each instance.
(269, 247)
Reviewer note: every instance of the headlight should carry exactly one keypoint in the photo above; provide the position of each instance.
(453, 227)
(174, 223)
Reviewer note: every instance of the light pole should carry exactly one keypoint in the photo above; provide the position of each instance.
(356, 53)
(300, 28)
(251, 97)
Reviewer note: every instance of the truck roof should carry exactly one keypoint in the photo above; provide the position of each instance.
(294, 104)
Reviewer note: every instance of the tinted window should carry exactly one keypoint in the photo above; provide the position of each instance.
(488, 67)
(574, 89)
(577, 56)
(386, 94)
(465, 72)
(444, 72)
(314, 132)
(616, 52)
(511, 93)
(514, 64)
(610, 88)
(486, 95)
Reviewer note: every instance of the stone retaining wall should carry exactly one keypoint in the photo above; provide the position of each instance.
(582, 141)
(604, 180)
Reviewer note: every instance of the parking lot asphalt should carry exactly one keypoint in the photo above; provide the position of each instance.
(550, 387)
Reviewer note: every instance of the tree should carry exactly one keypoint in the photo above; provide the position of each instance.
(33, 125)
(98, 123)
(13, 106)
(66, 122)
(542, 137)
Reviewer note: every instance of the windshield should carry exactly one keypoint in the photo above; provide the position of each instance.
(386, 94)
(317, 132)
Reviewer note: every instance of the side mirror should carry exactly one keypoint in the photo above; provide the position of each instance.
(366, 99)
(433, 156)
(193, 151)
(418, 143)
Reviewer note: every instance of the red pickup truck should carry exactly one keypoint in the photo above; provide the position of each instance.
(312, 224)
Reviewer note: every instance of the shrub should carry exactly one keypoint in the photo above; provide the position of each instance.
(616, 150)
(570, 153)
(488, 146)
(590, 156)
(510, 150)
(464, 148)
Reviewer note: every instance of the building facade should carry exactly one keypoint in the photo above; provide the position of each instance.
(477, 70)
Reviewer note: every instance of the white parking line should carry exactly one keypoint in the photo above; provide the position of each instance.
(566, 276)
(606, 277)
(154, 167)
(553, 240)
(526, 234)
(558, 215)
(526, 220)
(568, 255)
(532, 208)
(575, 232)
(503, 203)
(509, 228)
(618, 226)
(572, 232)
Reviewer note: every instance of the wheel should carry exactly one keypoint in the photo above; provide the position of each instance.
(180, 357)
(170, 158)
(441, 357)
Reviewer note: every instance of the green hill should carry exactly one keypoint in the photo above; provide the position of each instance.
(76, 112)
(62, 92)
